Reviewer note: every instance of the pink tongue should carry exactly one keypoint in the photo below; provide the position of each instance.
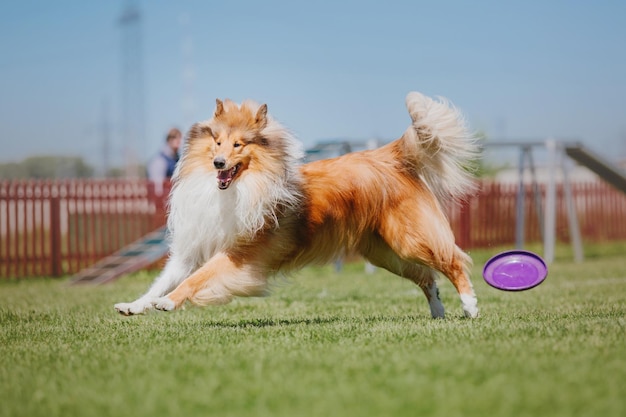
(223, 175)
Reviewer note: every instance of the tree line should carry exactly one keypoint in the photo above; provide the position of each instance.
(52, 167)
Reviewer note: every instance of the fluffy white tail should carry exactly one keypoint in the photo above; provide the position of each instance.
(441, 147)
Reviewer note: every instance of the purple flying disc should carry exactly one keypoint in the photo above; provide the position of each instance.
(515, 270)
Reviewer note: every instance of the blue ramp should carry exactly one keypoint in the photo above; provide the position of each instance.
(138, 255)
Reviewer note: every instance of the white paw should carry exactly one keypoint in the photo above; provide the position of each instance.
(163, 304)
(470, 305)
(471, 312)
(139, 306)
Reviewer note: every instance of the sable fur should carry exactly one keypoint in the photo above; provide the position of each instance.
(243, 208)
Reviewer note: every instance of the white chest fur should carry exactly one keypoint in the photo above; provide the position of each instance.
(204, 220)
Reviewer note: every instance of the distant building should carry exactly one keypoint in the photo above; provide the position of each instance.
(576, 173)
(336, 147)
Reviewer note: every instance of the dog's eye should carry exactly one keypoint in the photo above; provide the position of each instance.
(237, 144)
(218, 143)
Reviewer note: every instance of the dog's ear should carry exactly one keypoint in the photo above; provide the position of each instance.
(199, 130)
(261, 117)
(194, 132)
(220, 107)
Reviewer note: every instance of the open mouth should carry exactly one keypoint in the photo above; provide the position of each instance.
(226, 176)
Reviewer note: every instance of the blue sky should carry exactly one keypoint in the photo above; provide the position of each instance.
(326, 69)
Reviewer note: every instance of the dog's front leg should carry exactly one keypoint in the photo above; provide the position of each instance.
(215, 282)
(172, 275)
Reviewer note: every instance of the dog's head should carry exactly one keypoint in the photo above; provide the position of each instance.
(229, 142)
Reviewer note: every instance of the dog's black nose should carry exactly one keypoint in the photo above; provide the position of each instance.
(219, 162)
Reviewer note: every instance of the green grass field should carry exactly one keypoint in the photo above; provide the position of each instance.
(324, 344)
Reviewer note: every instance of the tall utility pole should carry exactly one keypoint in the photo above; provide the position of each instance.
(132, 106)
(105, 137)
(189, 73)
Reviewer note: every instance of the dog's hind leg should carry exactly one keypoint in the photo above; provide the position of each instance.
(424, 277)
(216, 282)
(432, 295)
(457, 271)
(381, 255)
(422, 272)
(426, 238)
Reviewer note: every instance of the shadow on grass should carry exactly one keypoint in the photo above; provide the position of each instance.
(269, 322)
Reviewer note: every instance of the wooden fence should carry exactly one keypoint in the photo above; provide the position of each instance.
(54, 228)
(59, 227)
(489, 217)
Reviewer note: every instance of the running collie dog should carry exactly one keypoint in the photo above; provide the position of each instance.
(243, 208)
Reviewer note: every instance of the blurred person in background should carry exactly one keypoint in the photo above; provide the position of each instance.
(162, 165)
